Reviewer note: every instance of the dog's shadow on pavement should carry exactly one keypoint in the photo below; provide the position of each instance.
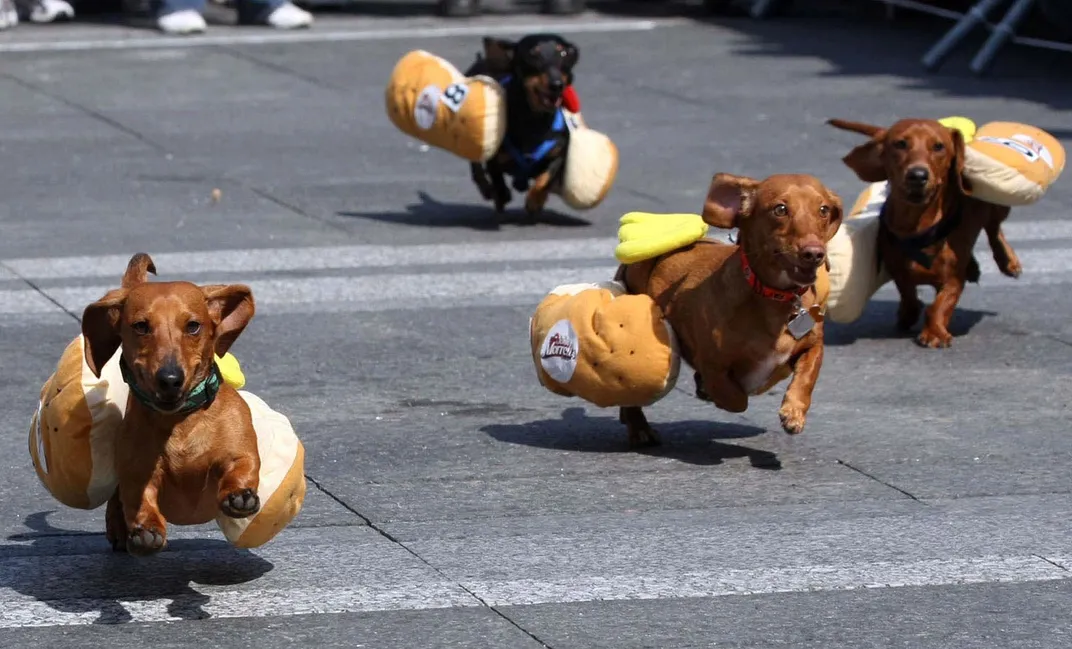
(79, 573)
(691, 442)
(878, 322)
(428, 212)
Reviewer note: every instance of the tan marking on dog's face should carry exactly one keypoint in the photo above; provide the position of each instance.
(543, 89)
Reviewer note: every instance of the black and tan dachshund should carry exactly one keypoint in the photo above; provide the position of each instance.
(534, 71)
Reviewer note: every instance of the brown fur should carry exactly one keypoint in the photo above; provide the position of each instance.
(890, 155)
(735, 339)
(181, 468)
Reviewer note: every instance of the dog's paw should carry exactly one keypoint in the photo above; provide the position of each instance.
(118, 543)
(116, 535)
(908, 314)
(1011, 268)
(241, 503)
(533, 207)
(643, 437)
(143, 541)
(115, 528)
(702, 395)
(502, 198)
(793, 419)
(934, 339)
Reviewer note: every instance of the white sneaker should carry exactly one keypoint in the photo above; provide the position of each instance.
(47, 11)
(186, 21)
(9, 15)
(289, 16)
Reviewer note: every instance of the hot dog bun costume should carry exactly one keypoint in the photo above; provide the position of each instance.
(73, 433)
(429, 99)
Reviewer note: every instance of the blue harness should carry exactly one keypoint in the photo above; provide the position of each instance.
(527, 161)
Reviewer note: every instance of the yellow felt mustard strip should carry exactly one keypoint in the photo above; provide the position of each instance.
(643, 235)
(230, 370)
(966, 126)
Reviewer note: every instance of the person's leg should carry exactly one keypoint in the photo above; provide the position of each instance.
(281, 14)
(45, 11)
(9, 14)
(179, 16)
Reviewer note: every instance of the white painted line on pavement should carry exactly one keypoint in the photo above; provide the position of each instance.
(577, 26)
(25, 301)
(281, 602)
(260, 260)
(426, 290)
(250, 261)
(440, 290)
(1034, 230)
(762, 581)
(1037, 262)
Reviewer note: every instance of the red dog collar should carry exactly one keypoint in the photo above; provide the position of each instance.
(766, 291)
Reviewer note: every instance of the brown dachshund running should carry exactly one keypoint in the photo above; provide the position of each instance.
(187, 449)
(930, 222)
(747, 316)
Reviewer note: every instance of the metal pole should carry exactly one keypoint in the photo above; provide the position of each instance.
(940, 50)
(1001, 34)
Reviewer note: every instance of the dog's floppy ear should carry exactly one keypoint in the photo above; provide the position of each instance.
(100, 329)
(729, 198)
(499, 53)
(231, 307)
(138, 269)
(866, 159)
(956, 167)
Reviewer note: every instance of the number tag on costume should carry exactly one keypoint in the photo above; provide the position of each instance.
(454, 96)
(800, 324)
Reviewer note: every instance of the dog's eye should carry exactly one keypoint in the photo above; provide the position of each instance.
(900, 144)
(141, 327)
(938, 146)
(824, 211)
(780, 209)
(193, 327)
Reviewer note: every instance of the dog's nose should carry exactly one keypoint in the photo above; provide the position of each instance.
(918, 175)
(555, 83)
(169, 379)
(813, 254)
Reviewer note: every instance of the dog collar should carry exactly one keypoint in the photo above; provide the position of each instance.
(914, 245)
(202, 395)
(759, 288)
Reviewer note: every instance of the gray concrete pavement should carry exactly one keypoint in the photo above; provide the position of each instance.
(454, 502)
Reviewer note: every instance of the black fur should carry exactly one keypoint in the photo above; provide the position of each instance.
(550, 57)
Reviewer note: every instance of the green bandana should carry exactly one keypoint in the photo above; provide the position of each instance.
(202, 395)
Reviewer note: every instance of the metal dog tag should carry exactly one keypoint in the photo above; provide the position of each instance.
(800, 324)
